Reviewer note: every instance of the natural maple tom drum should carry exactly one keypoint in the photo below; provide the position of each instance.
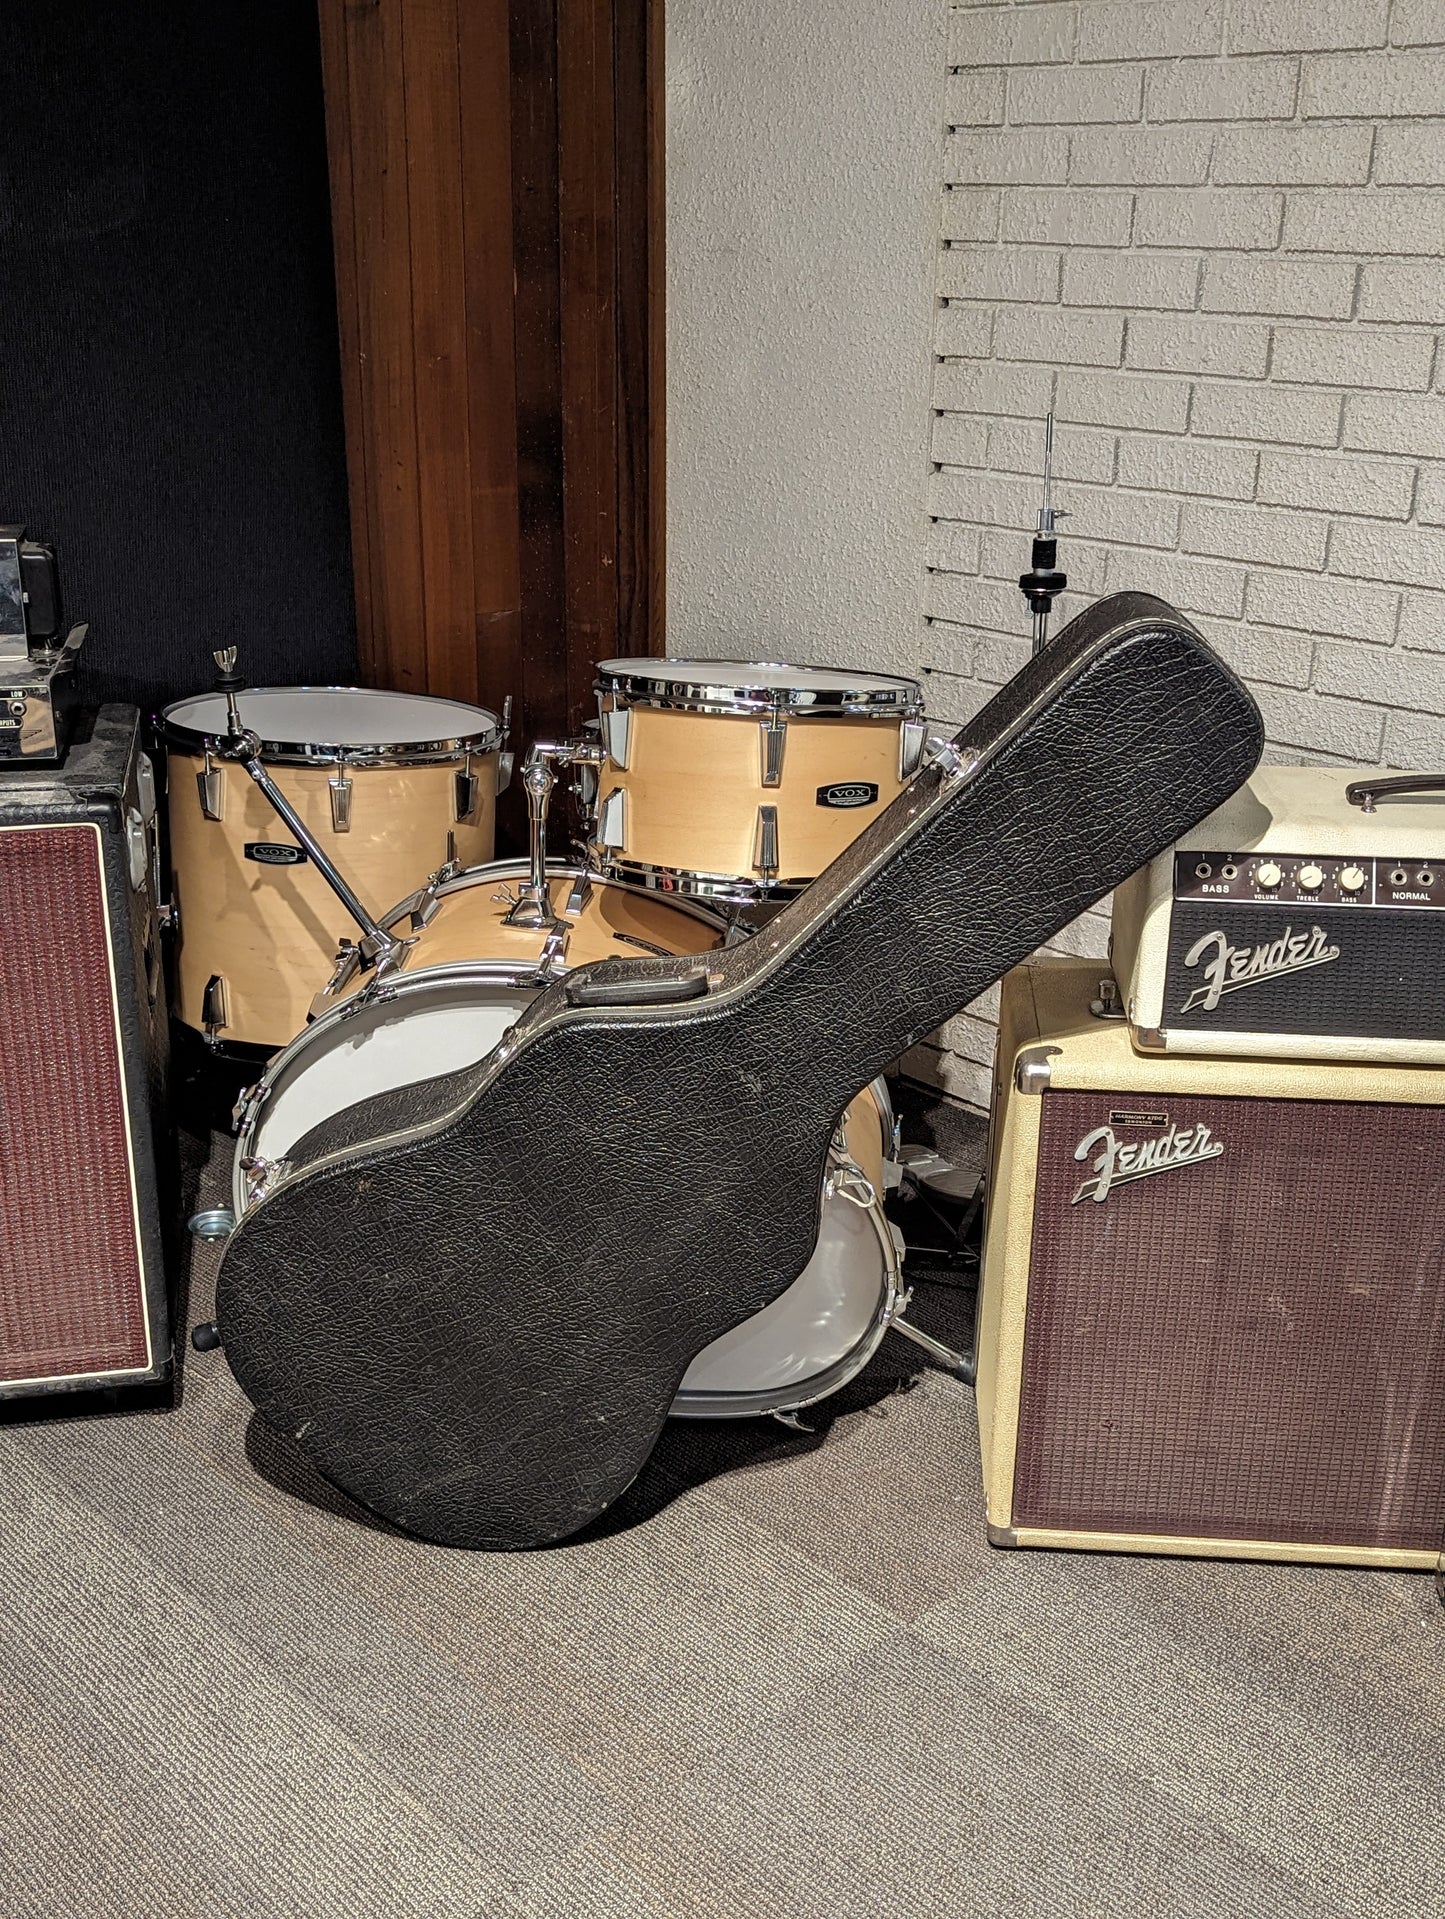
(742, 780)
(391, 784)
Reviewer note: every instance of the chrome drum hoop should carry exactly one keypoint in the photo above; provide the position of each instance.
(560, 870)
(885, 697)
(191, 739)
(831, 1379)
(250, 1107)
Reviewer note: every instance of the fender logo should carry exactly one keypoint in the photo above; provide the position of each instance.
(1228, 968)
(1116, 1162)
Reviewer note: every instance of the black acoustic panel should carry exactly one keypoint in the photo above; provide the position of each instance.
(170, 409)
(1384, 983)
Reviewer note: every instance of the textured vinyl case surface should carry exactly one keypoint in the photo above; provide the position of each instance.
(473, 1302)
(1214, 1297)
(83, 1287)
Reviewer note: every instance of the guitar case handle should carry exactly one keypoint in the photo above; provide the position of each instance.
(592, 987)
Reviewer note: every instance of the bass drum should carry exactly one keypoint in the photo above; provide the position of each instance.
(805, 1345)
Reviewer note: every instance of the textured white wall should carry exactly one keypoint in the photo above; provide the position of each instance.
(1209, 232)
(803, 149)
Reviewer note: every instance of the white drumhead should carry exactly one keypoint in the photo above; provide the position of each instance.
(293, 717)
(764, 676)
(433, 1026)
(829, 1312)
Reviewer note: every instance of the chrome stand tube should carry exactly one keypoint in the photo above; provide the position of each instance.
(961, 1364)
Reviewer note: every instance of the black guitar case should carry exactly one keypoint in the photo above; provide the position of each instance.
(471, 1301)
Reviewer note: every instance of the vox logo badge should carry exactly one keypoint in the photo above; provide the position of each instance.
(275, 853)
(848, 793)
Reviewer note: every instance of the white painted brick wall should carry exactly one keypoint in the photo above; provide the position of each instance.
(1210, 233)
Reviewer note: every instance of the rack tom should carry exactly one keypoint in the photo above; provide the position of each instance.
(392, 785)
(740, 781)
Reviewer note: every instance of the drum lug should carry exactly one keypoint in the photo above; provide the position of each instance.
(214, 1012)
(340, 785)
(765, 846)
(612, 819)
(617, 735)
(774, 731)
(552, 961)
(210, 784)
(506, 758)
(911, 736)
(580, 894)
(467, 794)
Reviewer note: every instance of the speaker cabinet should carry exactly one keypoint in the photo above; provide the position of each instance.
(1212, 1317)
(86, 1146)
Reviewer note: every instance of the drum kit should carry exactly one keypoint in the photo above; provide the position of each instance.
(709, 792)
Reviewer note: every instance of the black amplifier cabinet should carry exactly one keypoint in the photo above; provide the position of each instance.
(86, 1154)
(1304, 919)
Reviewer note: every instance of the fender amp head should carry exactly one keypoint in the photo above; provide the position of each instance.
(1305, 918)
(83, 1134)
(1212, 1317)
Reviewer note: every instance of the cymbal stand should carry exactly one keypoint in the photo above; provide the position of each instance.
(376, 947)
(1043, 582)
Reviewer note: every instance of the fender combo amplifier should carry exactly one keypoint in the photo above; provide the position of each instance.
(85, 1149)
(1212, 1314)
(1303, 919)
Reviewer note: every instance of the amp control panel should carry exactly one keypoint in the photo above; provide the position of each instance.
(1305, 879)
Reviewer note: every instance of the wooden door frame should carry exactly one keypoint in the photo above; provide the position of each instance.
(499, 225)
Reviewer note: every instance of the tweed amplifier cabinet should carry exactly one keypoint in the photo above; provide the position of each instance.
(1305, 918)
(84, 1148)
(1212, 1317)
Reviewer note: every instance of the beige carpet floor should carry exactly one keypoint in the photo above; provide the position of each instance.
(788, 1680)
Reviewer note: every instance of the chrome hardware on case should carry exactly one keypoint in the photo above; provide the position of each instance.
(210, 785)
(340, 787)
(214, 1013)
(775, 740)
(765, 846)
(611, 819)
(911, 736)
(617, 734)
(468, 792)
(262, 1175)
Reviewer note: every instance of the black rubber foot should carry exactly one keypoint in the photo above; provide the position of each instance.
(206, 1337)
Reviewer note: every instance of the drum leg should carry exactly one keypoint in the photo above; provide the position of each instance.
(959, 1364)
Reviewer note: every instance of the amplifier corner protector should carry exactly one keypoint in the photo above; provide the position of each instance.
(1032, 1070)
(1151, 1039)
(1001, 1535)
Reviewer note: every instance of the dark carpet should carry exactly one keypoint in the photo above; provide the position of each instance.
(787, 1678)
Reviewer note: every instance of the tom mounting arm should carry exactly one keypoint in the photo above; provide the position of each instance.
(533, 907)
(564, 1226)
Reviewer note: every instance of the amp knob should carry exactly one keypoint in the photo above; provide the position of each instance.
(1352, 878)
(1311, 878)
(1268, 874)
